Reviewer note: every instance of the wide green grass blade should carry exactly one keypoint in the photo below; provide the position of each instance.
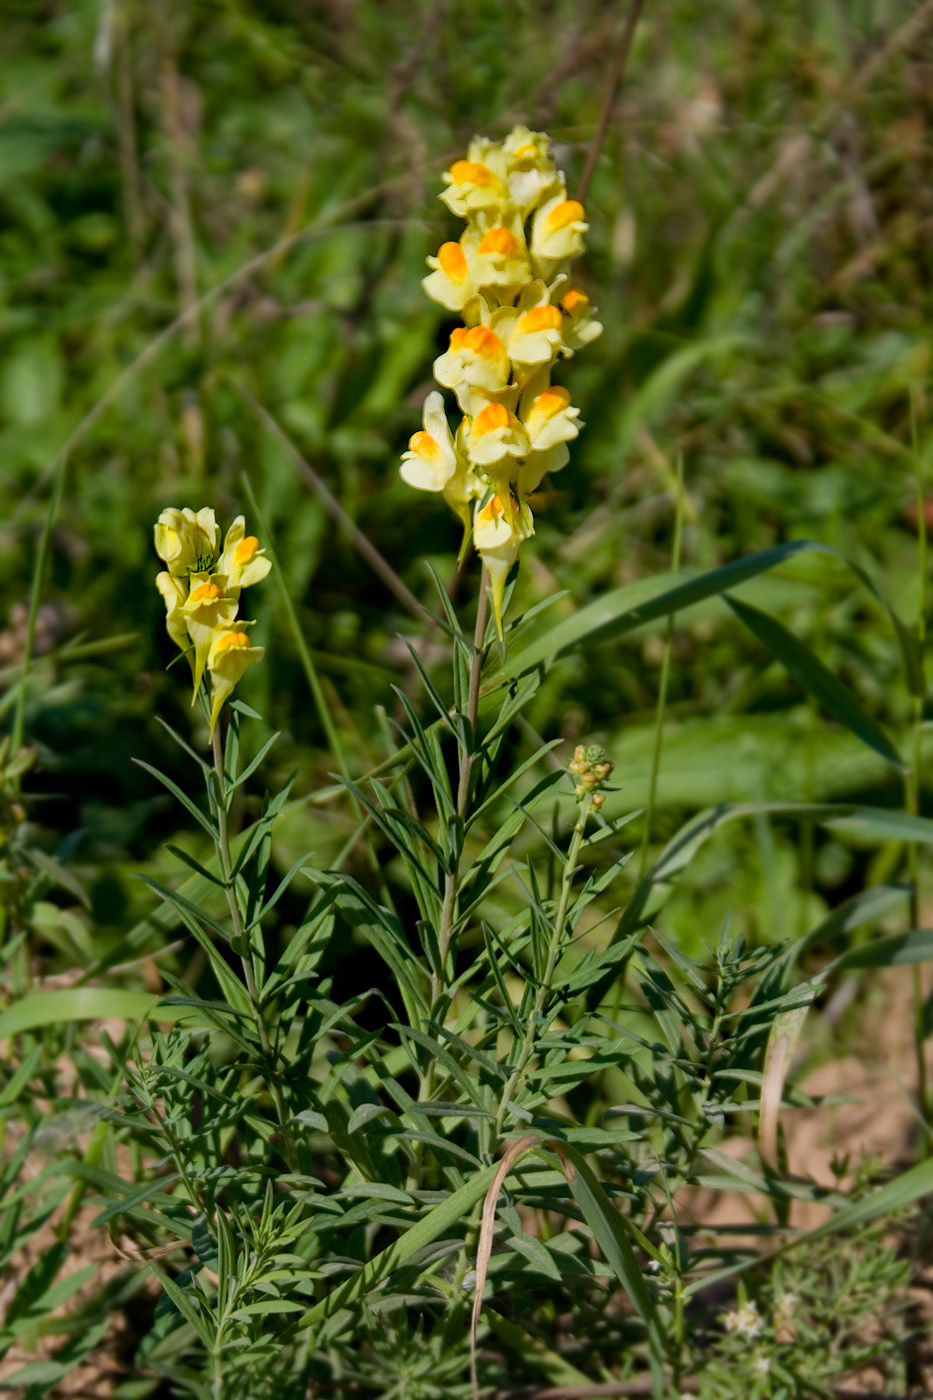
(609, 1232)
(819, 682)
(89, 1004)
(647, 600)
(898, 950)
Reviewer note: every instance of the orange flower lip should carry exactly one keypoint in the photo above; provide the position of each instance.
(484, 342)
(569, 211)
(246, 549)
(493, 510)
(470, 172)
(232, 639)
(575, 299)
(551, 402)
(453, 261)
(424, 445)
(539, 318)
(458, 337)
(500, 240)
(206, 593)
(493, 416)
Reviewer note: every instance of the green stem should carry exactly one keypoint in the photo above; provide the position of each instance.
(554, 951)
(467, 760)
(452, 880)
(665, 672)
(246, 960)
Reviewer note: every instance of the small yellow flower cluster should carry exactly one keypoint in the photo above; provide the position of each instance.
(508, 278)
(591, 770)
(201, 588)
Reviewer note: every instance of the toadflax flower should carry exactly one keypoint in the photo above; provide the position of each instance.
(201, 589)
(508, 278)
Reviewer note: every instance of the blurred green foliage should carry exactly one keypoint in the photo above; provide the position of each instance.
(211, 208)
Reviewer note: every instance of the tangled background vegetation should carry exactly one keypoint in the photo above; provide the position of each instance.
(215, 221)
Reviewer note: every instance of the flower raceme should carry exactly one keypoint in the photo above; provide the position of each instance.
(508, 278)
(201, 589)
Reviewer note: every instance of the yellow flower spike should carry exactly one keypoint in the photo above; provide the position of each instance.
(208, 606)
(187, 540)
(175, 593)
(229, 658)
(242, 562)
(508, 278)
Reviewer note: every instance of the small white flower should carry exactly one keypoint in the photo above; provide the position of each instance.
(744, 1321)
(761, 1365)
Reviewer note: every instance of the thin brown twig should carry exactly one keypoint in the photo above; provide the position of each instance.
(615, 82)
(365, 547)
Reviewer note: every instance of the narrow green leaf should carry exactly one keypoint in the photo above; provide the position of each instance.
(57, 873)
(195, 865)
(185, 1306)
(182, 797)
(268, 1305)
(205, 767)
(879, 824)
(896, 951)
(819, 682)
(251, 767)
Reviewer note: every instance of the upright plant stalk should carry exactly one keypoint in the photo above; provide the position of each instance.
(467, 760)
(236, 921)
(912, 798)
(452, 879)
(665, 672)
(554, 950)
